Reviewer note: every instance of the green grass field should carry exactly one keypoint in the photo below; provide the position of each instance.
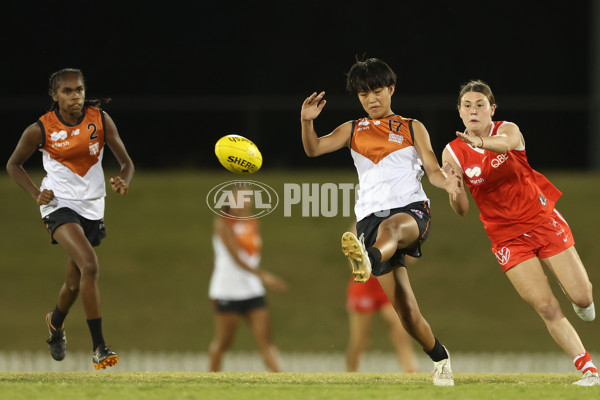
(157, 259)
(259, 386)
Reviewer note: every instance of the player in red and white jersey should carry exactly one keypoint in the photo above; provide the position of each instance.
(516, 205)
(390, 153)
(71, 137)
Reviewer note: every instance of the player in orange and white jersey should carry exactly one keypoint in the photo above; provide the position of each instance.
(71, 137)
(390, 153)
(516, 205)
(236, 286)
(363, 301)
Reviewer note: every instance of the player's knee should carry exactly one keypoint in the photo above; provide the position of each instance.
(548, 309)
(90, 267)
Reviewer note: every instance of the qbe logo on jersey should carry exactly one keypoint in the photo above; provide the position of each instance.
(230, 197)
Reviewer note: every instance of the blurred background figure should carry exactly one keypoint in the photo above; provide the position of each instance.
(363, 301)
(237, 285)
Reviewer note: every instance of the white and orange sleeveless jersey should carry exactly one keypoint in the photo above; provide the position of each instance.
(512, 198)
(229, 281)
(72, 158)
(389, 168)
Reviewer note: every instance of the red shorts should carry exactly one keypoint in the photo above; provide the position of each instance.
(365, 297)
(546, 240)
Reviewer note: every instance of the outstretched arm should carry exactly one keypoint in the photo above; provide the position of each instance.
(508, 138)
(438, 177)
(119, 183)
(460, 202)
(313, 144)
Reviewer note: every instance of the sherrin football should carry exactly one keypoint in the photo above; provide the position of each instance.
(238, 154)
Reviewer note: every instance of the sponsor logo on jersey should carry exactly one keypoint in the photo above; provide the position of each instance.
(498, 161)
(395, 138)
(503, 255)
(543, 200)
(56, 136)
(94, 149)
(473, 172)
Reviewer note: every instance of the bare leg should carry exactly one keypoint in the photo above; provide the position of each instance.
(72, 238)
(360, 330)
(225, 327)
(531, 283)
(396, 286)
(260, 323)
(570, 272)
(402, 342)
(70, 289)
(400, 231)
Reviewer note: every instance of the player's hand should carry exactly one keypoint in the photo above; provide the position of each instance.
(453, 181)
(470, 139)
(273, 282)
(312, 106)
(45, 197)
(119, 185)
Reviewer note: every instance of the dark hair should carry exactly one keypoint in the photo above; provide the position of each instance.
(58, 76)
(478, 86)
(369, 74)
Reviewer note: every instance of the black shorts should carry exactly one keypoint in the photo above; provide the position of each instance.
(239, 306)
(94, 229)
(370, 224)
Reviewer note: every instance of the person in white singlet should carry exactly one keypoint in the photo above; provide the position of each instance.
(236, 287)
(71, 137)
(390, 153)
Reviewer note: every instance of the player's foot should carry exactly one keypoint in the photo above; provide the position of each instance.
(57, 342)
(103, 357)
(589, 379)
(442, 372)
(588, 314)
(354, 250)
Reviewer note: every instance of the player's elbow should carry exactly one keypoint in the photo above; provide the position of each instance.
(312, 151)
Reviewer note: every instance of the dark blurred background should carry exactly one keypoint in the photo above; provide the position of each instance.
(183, 74)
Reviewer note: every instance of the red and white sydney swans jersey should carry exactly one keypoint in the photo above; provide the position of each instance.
(512, 198)
(389, 168)
(72, 155)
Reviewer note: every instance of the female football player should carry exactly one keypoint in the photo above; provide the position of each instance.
(237, 286)
(516, 207)
(71, 137)
(390, 153)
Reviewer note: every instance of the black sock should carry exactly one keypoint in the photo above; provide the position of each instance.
(374, 256)
(438, 352)
(57, 318)
(95, 326)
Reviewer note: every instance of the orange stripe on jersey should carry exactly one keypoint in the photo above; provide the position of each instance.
(376, 139)
(77, 146)
(246, 234)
